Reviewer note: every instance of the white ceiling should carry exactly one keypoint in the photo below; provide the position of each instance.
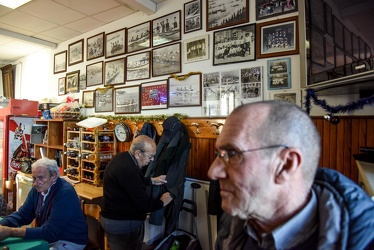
(41, 23)
(54, 21)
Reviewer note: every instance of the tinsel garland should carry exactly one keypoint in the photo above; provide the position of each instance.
(348, 108)
(184, 77)
(133, 118)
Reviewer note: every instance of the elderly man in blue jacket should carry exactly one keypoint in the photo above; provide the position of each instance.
(274, 195)
(55, 206)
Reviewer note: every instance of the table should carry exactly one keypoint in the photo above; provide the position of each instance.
(21, 244)
(88, 191)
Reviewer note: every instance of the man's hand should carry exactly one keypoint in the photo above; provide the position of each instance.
(166, 198)
(6, 232)
(159, 180)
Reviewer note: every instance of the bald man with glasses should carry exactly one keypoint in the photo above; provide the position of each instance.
(274, 195)
(125, 201)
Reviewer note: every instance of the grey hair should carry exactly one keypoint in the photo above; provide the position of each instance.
(49, 164)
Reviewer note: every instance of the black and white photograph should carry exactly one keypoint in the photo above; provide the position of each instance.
(291, 96)
(95, 46)
(114, 72)
(196, 49)
(279, 73)
(223, 13)
(166, 60)
(88, 98)
(138, 66)
(72, 82)
(268, 8)
(193, 16)
(82, 81)
(60, 62)
(61, 85)
(230, 91)
(75, 54)
(278, 38)
(166, 29)
(104, 100)
(127, 100)
(94, 73)
(251, 84)
(138, 37)
(115, 43)
(211, 94)
(234, 45)
(185, 93)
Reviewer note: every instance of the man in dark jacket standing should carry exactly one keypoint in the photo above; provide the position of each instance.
(125, 201)
(274, 195)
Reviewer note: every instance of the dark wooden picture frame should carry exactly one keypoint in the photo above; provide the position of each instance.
(279, 73)
(72, 82)
(234, 45)
(155, 95)
(167, 60)
(75, 52)
(223, 13)
(127, 100)
(60, 62)
(165, 32)
(185, 93)
(196, 49)
(95, 46)
(114, 72)
(138, 66)
(269, 47)
(104, 100)
(61, 85)
(267, 9)
(193, 16)
(88, 98)
(138, 37)
(115, 43)
(94, 73)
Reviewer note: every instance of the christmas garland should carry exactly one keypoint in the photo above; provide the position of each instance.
(348, 108)
(184, 77)
(140, 118)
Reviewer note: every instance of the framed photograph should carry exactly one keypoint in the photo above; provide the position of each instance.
(291, 96)
(185, 93)
(166, 60)
(114, 72)
(251, 84)
(61, 85)
(72, 82)
(59, 64)
(196, 49)
(88, 98)
(76, 52)
(127, 100)
(138, 66)
(278, 38)
(154, 95)
(279, 73)
(82, 82)
(138, 37)
(234, 45)
(266, 9)
(115, 43)
(103, 100)
(223, 13)
(166, 29)
(193, 16)
(94, 73)
(95, 46)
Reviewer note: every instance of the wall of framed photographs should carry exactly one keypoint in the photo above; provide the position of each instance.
(142, 50)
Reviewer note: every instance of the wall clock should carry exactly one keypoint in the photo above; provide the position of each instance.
(121, 132)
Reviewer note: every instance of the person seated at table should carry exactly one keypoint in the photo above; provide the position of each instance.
(55, 206)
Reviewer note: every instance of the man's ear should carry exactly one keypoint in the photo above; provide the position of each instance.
(290, 163)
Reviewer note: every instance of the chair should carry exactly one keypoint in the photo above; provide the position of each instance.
(96, 235)
(10, 187)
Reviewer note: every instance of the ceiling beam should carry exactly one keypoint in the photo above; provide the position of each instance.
(146, 6)
(28, 38)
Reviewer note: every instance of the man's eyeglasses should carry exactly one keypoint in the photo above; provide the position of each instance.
(149, 156)
(234, 157)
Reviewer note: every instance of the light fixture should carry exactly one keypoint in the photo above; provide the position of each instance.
(13, 4)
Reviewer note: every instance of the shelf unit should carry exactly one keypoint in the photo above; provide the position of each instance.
(97, 149)
(72, 153)
(53, 146)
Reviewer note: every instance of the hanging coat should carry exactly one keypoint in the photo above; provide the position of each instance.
(171, 160)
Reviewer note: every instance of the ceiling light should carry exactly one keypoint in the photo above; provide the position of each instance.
(13, 4)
